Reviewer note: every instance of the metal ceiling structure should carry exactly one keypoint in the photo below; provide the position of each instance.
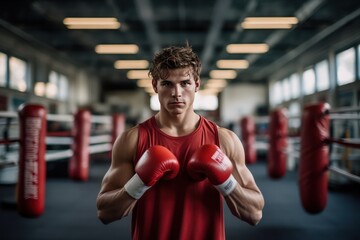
(208, 26)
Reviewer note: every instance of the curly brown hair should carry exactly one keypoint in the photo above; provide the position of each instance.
(173, 58)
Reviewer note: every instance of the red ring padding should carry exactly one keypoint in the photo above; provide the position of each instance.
(278, 133)
(32, 166)
(314, 157)
(79, 162)
(248, 138)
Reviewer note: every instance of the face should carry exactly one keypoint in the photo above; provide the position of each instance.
(177, 92)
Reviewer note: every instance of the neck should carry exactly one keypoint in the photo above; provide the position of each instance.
(177, 125)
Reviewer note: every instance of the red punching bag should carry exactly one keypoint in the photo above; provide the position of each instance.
(314, 157)
(278, 133)
(248, 139)
(32, 165)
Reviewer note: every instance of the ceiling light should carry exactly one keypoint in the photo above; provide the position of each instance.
(131, 64)
(145, 82)
(116, 49)
(137, 74)
(272, 20)
(223, 74)
(247, 48)
(269, 22)
(216, 83)
(237, 64)
(91, 23)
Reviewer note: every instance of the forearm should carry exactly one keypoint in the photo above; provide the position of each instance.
(114, 205)
(246, 204)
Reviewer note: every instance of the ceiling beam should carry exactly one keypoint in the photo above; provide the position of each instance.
(305, 11)
(146, 14)
(220, 10)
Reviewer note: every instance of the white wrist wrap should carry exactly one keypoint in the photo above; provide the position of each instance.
(228, 186)
(135, 187)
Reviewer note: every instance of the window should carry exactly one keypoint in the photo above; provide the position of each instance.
(63, 87)
(276, 93)
(322, 75)
(52, 85)
(3, 62)
(18, 74)
(345, 66)
(56, 88)
(294, 115)
(295, 85)
(286, 89)
(308, 81)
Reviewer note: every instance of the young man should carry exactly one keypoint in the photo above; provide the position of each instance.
(173, 171)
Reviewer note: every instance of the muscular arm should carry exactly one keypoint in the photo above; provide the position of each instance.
(113, 202)
(246, 201)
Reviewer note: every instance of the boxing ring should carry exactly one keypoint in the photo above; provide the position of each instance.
(26, 150)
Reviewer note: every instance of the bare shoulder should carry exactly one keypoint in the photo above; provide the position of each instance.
(125, 146)
(228, 137)
(231, 144)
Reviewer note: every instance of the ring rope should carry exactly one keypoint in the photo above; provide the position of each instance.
(51, 156)
(60, 118)
(59, 140)
(9, 141)
(8, 114)
(100, 139)
(344, 109)
(344, 117)
(59, 134)
(343, 142)
(344, 173)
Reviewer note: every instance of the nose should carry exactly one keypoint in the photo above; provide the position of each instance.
(176, 91)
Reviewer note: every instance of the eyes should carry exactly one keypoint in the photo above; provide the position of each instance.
(166, 83)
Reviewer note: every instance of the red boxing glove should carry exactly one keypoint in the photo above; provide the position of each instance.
(209, 161)
(156, 162)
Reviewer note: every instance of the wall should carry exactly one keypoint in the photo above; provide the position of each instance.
(238, 100)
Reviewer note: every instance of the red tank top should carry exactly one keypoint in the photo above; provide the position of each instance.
(179, 208)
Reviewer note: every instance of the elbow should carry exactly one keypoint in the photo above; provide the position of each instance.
(255, 218)
(103, 218)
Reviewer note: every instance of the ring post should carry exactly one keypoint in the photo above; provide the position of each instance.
(314, 157)
(32, 165)
(79, 162)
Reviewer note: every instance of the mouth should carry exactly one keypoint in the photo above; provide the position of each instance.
(176, 103)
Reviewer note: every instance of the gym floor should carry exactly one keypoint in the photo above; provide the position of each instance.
(70, 212)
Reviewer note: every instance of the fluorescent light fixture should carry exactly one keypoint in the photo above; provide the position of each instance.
(223, 74)
(272, 20)
(246, 25)
(216, 83)
(145, 82)
(116, 49)
(237, 64)
(247, 48)
(131, 64)
(91, 23)
(137, 74)
(269, 22)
